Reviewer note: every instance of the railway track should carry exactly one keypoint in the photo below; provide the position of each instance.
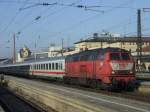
(135, 95)
(129, 95)
(60, 97)
(13, 103)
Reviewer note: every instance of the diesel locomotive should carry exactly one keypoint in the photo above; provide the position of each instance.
(111, 68)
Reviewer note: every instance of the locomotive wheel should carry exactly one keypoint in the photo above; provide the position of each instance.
(94, 84)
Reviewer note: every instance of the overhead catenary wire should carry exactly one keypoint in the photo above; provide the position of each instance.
(81, 22)
(13, 18)
(15, 2)
(44, 17)
(11, 21)
(88, 19)
(70, 5)
(41, 17)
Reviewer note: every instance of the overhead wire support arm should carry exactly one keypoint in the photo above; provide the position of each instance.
(86, 8)
(146, 9)
(38, 4)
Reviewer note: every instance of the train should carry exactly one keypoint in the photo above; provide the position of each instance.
(111, 68)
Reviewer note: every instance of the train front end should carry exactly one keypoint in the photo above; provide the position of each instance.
(122, 67)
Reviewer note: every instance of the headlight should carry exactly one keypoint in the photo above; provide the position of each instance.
(113, 72)
(115, 66)
(131, 72)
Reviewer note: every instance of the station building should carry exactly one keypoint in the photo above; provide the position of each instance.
(128, 43)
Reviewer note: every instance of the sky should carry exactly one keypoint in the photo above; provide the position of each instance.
(38, 26)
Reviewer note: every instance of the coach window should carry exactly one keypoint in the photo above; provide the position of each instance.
(60, 66)
(52, 66)
(31, 67)
(46, 66)
(43, 66)
(49, 66)
(56, 66)
(40, 66)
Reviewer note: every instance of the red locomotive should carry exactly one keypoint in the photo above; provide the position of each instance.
(103, 67)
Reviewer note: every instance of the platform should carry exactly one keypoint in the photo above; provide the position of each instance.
(144, 87)
(143, 76)
(64, 99)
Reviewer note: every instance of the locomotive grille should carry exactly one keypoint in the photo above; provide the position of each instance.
(122, 72)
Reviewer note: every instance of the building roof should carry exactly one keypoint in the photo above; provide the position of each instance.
(113, 39)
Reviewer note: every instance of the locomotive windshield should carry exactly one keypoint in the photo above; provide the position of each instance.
(125, 56)
(119, 56)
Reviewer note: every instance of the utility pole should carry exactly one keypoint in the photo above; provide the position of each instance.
(139, 38)
(14, 49)
(35, 45)
(62, 46)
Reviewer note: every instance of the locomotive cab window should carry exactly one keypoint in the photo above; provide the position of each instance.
(125, 56)
(114, 56)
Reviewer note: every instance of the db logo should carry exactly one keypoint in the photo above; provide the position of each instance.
(121, 65)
